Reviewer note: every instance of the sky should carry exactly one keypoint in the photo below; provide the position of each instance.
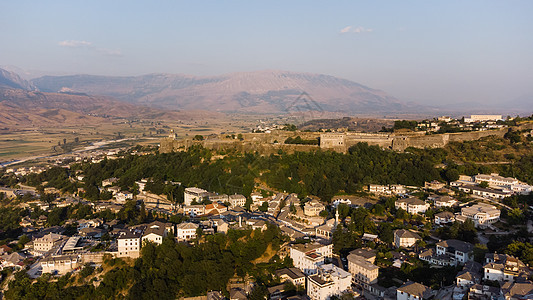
(430, 52)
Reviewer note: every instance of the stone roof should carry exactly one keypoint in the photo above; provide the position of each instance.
(187, 225)
(518, 290)
(412, 201)
(445, 214)
(405, 234)
(293, 273)
(364, 253)
(457, 245)
(353, 258)
(416, 289)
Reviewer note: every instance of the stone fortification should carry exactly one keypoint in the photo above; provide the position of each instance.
(268, 143)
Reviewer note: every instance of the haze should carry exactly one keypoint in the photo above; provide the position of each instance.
(424, 51)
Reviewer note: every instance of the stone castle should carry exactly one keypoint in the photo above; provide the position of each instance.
(268, 143)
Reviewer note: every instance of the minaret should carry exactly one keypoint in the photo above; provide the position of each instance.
(337, 216)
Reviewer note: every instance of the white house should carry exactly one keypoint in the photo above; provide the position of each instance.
(412, 205)
(237, 200)
(47, 242)
(129, 244)
(363, 272)
(59, 264)
(405, 238)
(444, 217)
(481, 214)
(330, 280)
(186, 231)
(293, 275)
(502, 267)
(307, 257)
(155, 232)
(413, 291)
(194, 194)
(444, 201)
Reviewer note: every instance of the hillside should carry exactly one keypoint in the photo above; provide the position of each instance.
(258, 92)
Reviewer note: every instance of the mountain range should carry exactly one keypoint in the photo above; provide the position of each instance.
(22, 104)
(253, 92)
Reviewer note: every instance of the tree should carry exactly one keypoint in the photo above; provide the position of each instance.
(198, 137)
(484, 184)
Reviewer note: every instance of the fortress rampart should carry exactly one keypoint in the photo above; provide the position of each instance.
(268, 143)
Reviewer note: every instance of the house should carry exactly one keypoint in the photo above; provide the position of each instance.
(129, 244)
(194, 210)
(113, 189)
(14, 259)
(326, 230)
(413, 291)
(123, 196)
(256, 197)
(91, 233)
(328, 281)
(109, 181)
(365, 254)
(186, 231)
(237, 200)
(478, 291)
(313, 208)
(444, 217)
(47, 242)
(221, 225)
(237, 294)
(363, 271)
(449, 253)
(481, 214)
(495, 180)
(460, 251)
(444, 201)
(194, 194)
(412, 205)
(155, 232)
(470, 275)
(307, 257)
(293, 275)
(503, 267)
(517, 290)
(60, 264)
(215, 209)
(405, 238)
(434, 185)
(484, 192)
(218, 198)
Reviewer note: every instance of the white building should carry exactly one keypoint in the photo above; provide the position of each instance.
(405, 238)
(123, 196)
(444, 217)
(47, 242)
(237, 200)
(313, 208)
(293, 275)
(194, 194)
(59, 264)
(484, 192)
(483, 118)
(502, 267)
(481, 214)
(413, 291)
(444, 201)
(129, 244)
(412, 205)
(495, 180)
(330, 280)
(363, 272)
(307, 257)
(155, 232)
(186, 231)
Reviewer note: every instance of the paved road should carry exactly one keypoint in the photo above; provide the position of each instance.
(35, 270)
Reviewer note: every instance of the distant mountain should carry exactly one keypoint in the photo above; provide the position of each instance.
(12, 80)
(21, 104)
(258, 92)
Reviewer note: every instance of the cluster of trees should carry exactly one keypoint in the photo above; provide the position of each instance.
(168, 271)
(405, 124)
(299, 141)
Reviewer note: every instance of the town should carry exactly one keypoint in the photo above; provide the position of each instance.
(374, 244)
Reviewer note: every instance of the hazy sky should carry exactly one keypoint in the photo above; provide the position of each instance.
(425, 51)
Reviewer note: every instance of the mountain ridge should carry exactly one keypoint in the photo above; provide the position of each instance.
(270, 91)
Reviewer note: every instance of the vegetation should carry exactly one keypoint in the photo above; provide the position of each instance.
(167, 271)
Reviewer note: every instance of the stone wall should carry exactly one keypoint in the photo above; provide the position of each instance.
(268, 143)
